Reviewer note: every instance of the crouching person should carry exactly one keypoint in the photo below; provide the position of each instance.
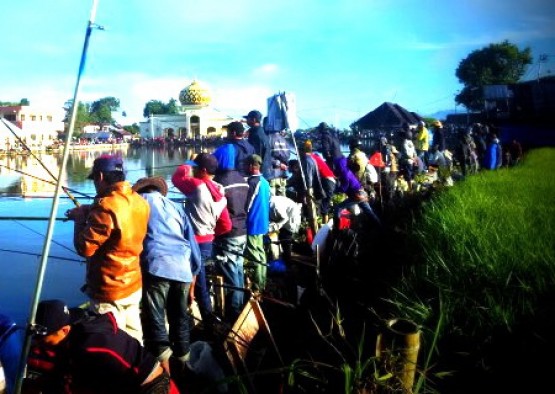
(93, 355)
(170, 260)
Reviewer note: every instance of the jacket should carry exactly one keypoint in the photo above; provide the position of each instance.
(279, 154)
(236, 190)
(206, 205)
(243, 149)
(348, 182)
(258, 205)
(103, 358)
(330, 146)
(112, 241)
(170, 249)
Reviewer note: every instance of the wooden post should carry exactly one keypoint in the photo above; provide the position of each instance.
(397, 350)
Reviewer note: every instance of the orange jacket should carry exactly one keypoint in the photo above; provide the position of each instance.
(112, 241)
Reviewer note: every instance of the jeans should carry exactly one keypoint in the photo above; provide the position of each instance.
(163, 297)
(228, 252)
(202, 293)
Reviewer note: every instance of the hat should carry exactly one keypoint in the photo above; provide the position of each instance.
(206, 161)
(308, 146)
(106, 163)
(155, 182)
(54, 314)
(254, 114)
(254, 159)
(437, 123)
(236, 128)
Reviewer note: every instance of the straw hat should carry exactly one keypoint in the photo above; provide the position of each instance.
(154, 182)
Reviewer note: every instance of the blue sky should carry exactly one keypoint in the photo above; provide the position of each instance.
(341, 58)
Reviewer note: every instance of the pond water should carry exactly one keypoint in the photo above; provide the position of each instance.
(25, 192)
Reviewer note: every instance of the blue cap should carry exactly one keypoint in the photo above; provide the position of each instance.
(254, 114)
(106, 163)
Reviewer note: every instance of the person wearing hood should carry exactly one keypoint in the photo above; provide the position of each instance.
(170, 260)
(207, 208)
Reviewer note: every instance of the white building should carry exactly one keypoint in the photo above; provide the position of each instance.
(40, 126)
(196, 118)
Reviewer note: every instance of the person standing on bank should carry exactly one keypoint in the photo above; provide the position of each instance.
(258, 139)
(170, 260)
(207, 209)
(258, 221)
(110, 233)
(229, 247)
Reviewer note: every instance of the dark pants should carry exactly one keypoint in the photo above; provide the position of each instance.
(202, 293)
(364, 207)
(163, 297)
(329, 188)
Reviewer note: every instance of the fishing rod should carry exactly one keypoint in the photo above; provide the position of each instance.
(38, 254)
(47, 242)
(47, 181)
(42, 164)
(31, 218)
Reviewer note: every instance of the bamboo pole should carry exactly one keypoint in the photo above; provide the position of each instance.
(397, 349)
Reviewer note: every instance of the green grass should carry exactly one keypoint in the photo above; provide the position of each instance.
(487, 248)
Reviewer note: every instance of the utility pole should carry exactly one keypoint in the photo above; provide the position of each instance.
(542, 59)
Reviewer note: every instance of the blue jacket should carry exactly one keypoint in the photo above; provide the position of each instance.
(170, 249)
(258, 205)
(11, 345)
(243, 149)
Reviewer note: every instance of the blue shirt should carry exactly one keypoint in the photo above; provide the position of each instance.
(258, 205)
(170, 250)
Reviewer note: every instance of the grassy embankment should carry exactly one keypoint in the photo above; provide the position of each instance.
(484, 292)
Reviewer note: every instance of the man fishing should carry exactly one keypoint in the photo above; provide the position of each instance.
(110, 233)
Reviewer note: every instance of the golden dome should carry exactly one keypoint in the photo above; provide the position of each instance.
(195, 94)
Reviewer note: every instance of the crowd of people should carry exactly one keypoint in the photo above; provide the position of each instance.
(149, 258)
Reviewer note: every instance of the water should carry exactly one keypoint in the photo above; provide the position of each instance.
(21, 241)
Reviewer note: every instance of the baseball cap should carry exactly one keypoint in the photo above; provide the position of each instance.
(254, 114)
(205, 160)
(54, 314)
(106, 163)
(254, 159)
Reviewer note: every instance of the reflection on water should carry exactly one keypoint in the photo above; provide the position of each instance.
(29, 192)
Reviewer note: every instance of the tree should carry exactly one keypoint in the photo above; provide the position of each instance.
(496, 64)
(157, 107)
(133, 129)
(24, 101)
(101, 110)
(82, 117)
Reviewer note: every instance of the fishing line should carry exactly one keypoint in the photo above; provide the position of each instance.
(38, 254)
(42, 235)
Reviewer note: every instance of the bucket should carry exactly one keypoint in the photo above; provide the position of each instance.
(397, 349)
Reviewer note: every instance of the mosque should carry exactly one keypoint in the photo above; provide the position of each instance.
(196, 119)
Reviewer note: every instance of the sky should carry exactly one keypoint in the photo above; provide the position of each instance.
(340, 58)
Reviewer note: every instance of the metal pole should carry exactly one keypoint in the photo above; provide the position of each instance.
(53, 212)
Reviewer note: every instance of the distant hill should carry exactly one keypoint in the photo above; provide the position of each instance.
(442, 115)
